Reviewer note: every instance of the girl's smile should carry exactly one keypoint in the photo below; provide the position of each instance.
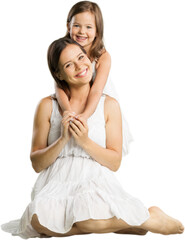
(80, 39)
(82, 29)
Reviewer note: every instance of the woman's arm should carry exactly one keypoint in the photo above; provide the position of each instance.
(102, 72)
(42, 155)
(62, 99)
(110, 156)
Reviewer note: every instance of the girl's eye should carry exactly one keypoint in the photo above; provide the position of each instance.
(75, 25)
(89, 27)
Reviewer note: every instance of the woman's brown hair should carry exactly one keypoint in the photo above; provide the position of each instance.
(97, 47)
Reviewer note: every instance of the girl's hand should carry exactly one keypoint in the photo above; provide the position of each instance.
(79, 129)
(68, 112)
(83, 116)
(67, 116)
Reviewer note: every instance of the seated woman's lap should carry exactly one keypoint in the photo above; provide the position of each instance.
(81, 227)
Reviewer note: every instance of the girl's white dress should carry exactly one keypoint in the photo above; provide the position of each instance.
(110, 90)
(76, 187)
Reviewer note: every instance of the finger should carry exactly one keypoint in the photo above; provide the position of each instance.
(67, 119)
(78, 124)
(68, 114)
(75, 128)
(71, 130)
(66, 125)
(83, 121)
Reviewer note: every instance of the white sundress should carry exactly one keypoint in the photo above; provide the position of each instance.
(110, 90)
(76, 187)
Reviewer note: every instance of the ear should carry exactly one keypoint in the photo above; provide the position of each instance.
(59, 75)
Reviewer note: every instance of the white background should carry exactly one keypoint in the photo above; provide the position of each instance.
(146, 41)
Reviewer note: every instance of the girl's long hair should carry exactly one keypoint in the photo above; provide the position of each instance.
(97, 47)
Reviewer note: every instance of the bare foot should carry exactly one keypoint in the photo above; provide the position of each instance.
(160, 222)
(132, 230)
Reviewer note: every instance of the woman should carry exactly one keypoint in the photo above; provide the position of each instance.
(76, 191)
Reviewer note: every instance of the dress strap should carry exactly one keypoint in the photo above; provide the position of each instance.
(55, 110)
(98, 115)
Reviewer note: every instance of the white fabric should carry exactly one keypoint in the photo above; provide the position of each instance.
(110, 90)
(76, 187)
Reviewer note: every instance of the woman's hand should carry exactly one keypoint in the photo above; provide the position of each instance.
(67, 116)
(79, 129)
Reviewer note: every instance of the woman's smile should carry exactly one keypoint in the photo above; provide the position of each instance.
(82, 73)
(76, 66)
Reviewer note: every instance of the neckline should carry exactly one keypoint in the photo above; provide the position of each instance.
(58, 111)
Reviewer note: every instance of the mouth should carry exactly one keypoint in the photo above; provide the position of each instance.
(80, 38)
(82, 73)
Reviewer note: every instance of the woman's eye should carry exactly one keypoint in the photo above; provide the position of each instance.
(81, 57)
(68, 65)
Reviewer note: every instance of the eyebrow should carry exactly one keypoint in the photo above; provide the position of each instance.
(85, 24)
(70, 60)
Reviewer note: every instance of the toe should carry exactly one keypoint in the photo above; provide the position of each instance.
(181, 229)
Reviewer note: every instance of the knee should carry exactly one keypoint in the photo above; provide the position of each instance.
(92, 226)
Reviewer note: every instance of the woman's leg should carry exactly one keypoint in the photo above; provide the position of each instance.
(101, 225)
(44, 231)
(133, 231)
(83, 227)
(158, 222)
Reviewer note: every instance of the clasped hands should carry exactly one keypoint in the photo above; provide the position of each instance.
(76, 126)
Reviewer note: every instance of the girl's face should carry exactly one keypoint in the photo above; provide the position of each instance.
(75, 67)
(82, 29)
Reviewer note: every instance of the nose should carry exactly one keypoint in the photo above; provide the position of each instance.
(82, 30)
(77, 65)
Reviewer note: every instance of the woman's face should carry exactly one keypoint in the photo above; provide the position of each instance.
(75, 67)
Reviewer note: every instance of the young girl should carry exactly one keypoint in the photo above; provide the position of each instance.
(85, 26)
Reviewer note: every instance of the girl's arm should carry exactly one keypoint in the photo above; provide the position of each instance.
(102, 72)
(42, 155)
(110, 156)
(62, 99)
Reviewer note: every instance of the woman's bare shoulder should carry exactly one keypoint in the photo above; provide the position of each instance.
(44, 107)
(111, 107)
(45, 102)
(111, 102)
